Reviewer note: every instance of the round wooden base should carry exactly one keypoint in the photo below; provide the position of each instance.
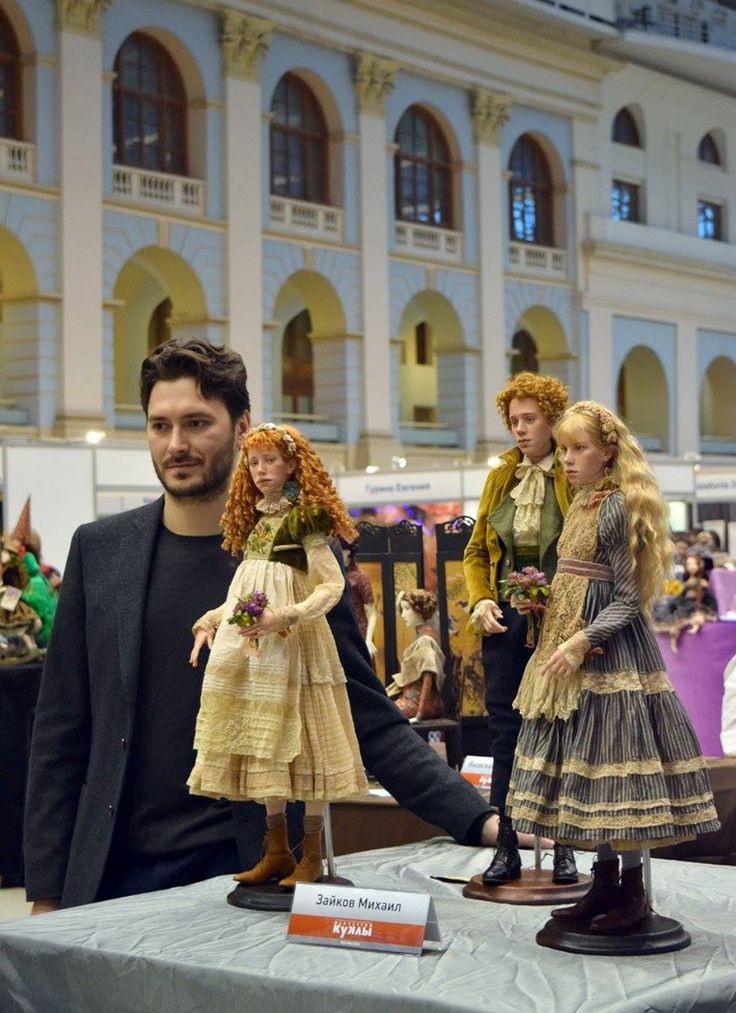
(535, 886)
(272, 897)
(655, 935)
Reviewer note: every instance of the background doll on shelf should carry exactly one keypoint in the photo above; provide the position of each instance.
(274, 722)
(416, 688)
(688, 604)
(361, 596)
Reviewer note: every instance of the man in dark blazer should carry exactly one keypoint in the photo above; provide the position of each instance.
(108, 812)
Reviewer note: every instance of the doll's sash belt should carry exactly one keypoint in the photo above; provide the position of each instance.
(585, 568)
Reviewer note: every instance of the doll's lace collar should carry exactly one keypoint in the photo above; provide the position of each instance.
(270, 506)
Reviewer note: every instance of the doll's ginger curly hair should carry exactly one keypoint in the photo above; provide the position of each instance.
(316, 488)
(547, 391)
(650, 544)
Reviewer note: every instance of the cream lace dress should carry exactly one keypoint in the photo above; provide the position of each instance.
(276, 722)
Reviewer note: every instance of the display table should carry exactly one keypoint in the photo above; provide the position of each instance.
(696, 670)
(186, 950)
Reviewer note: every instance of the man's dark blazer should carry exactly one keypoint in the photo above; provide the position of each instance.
(86, 713)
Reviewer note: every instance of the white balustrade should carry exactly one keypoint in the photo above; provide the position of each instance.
(16, 159)
(142, 186)
(428, 241)
(305, 218)
(544, 261)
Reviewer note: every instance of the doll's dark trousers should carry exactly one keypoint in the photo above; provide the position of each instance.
(504, 659)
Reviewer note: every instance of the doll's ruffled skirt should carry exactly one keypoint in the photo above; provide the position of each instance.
(624, 768)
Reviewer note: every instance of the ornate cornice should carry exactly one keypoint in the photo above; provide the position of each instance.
(245, 42)
(490, 112)
(374, 80)
(81, 16)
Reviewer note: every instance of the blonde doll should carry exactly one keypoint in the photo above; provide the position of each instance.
(606, 756)
(274, 722)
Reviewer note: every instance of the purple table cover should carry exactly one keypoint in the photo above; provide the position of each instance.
(696, 671)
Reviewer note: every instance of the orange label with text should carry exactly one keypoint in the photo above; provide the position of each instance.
(356, 930)
(478, 770)
(479, 780)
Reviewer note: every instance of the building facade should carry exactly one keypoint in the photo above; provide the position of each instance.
(385, 208)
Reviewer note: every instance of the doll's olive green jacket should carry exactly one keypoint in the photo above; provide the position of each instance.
(484, 561)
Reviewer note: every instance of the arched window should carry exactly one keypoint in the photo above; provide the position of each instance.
(625, 130)
(149, 108)
(297, 367)
(525, 355)
(530, 194)
(708, 150)
(10, 118)
(423, 173)
(298, 143)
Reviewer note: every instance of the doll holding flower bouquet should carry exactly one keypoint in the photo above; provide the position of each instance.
(274, 722)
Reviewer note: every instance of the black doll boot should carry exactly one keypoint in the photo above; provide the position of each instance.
(506, 864)
(600, 898)
(564, 869)
(631, 909)
(277, 859)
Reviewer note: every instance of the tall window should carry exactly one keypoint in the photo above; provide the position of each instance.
(10, 118)
(625, 202)
(526, 356)
(297, 367)
(298, 143)
(530, 193)
(159, 326)
(710, 220)
(708, 150)
(424, 344)
(625, 130)
(423, 172)
(149, 108)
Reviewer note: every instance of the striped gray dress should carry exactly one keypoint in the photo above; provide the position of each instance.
(609, 754)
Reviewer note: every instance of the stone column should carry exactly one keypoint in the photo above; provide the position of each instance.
(80, 214)
(490, 112)
(687, 393)
(601, 378)
(374, 79)
(244, 42)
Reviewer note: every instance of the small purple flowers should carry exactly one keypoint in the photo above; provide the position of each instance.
(248, 610)
(529, 585)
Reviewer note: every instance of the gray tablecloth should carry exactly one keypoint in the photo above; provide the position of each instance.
(187, 951)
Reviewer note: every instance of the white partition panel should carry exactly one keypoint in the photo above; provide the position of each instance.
(61, 483)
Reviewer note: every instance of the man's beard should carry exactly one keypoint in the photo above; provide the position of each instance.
(213, 481)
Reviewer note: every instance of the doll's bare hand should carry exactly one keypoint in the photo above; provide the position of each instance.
(372, 649)
(201, 637)
(558, 666)
(269, 621)
(490, 618)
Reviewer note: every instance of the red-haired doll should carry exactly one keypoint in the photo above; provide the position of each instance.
(274, 722)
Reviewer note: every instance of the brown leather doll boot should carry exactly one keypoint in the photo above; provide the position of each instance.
(631, 908)
(310, 868)
(600, 898)
(277, 859)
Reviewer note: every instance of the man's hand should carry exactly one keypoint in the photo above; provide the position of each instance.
(43, 907)
(489, 836)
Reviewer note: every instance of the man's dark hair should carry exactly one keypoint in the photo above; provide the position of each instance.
(218, 373)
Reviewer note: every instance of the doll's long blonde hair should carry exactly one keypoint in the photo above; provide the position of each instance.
(650, 544)
(316, 488)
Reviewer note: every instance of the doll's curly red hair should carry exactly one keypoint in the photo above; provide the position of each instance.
(547, 391)
(316, 488)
